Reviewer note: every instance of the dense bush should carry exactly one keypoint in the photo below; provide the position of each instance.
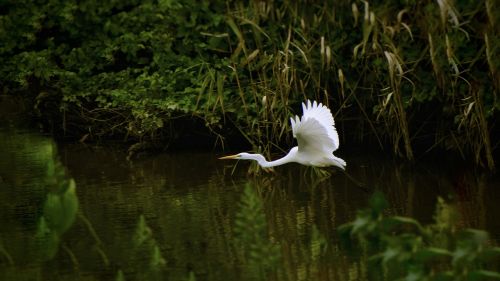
(117, 66)
(400, 248)
(403, 73)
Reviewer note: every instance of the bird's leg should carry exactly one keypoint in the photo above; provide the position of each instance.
(269, 170)
(323, 173)
(316, 174)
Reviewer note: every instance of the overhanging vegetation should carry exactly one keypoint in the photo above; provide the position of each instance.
(404, 74)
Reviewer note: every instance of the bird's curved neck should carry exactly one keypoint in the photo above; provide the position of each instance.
(267, 164)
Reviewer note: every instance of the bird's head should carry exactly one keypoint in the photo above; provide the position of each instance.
(244, 156)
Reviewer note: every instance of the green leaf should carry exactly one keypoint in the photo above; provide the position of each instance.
(482, 275)
(361, 223)
(120, 276)
(390, 222)
(70, 207)
(142, 232)
(157, 260)
(378, 202)
(475, 236)
(46, 240)
(490, 253)
(60, 209)
(431, 253)
(461, 254)
(191, 276)
(390, 254)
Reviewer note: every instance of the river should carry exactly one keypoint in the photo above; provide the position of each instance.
(172, 215)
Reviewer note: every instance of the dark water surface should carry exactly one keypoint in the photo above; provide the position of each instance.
(189, 204)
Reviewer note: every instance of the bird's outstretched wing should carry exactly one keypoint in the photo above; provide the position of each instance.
(315, 131)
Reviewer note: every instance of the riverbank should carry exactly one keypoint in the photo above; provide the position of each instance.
(406, 77)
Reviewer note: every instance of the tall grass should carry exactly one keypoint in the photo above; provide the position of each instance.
(410, 76)
(407, 74)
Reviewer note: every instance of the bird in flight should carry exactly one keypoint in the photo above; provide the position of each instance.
(316, 136)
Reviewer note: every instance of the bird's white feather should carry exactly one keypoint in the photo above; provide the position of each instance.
(315, 131)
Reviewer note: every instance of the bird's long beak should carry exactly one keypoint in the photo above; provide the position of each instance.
(235, 156)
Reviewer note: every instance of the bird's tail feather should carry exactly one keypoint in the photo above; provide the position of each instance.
(339, 162)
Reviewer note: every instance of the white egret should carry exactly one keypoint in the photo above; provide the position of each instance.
(316, 136)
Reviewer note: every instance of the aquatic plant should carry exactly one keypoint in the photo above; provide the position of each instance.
(400, 248)
(59, 210)
(258, 253)
(146, 246)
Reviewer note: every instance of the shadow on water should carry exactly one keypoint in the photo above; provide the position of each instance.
(188, 216)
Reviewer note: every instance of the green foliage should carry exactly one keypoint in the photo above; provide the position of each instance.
(120, 276)
(59, 210)
(259, 254)
(191, 276)
(46, 241)
(35, 182)
(399, 248)
(143, 233)
(145, 245)
(121, 57)
(317, 245)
